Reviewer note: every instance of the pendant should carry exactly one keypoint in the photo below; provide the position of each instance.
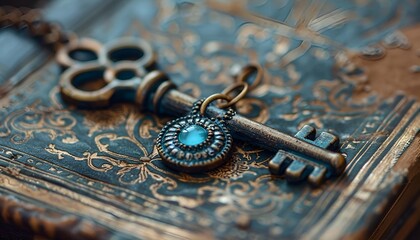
(195, 143)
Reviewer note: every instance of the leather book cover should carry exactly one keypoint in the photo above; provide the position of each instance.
(349, 68)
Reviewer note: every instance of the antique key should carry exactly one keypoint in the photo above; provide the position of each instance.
(96, 76)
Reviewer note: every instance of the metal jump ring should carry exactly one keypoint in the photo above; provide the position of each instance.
(246, 71)
(210, 99)
(238, 97)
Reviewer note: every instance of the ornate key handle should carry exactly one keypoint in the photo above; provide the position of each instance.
(95, 74)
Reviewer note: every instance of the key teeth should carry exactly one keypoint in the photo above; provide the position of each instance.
(324, 140)
(297, 171)
(317, 176)
(306, 133)
(327, 141)
(279, 163)
(296, 168)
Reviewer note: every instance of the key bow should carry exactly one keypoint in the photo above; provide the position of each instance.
(94, 74)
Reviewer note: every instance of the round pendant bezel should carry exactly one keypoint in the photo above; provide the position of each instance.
(207, 155)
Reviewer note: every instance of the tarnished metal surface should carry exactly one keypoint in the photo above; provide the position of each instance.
(99, 169)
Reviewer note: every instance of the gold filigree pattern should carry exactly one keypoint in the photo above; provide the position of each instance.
(234, 169)
(105, 118)
(39, 119)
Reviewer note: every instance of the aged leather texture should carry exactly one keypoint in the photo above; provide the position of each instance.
(95, 173)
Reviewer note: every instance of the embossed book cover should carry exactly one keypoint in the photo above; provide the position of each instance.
(210, 119)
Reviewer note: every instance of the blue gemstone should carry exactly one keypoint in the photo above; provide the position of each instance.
(192, 135)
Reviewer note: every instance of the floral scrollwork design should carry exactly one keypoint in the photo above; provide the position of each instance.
(24, 123)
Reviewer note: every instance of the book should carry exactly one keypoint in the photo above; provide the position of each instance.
(345, 68)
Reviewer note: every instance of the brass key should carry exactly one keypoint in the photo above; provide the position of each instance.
(120, 71)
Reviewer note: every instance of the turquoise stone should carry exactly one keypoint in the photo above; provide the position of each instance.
(192, 135)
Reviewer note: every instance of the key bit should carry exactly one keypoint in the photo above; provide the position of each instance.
(296, 167)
